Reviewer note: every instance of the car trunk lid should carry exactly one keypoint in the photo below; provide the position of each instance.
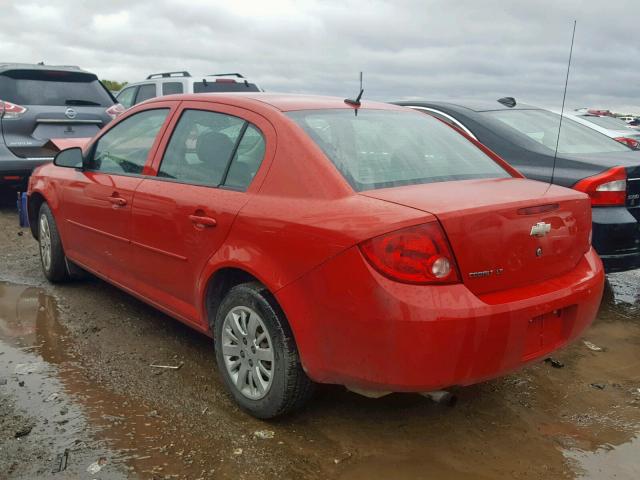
(505, 233)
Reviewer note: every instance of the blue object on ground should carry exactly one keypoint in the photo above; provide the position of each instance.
(22, 209)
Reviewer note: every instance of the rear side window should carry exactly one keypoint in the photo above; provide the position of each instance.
(124, 148)
(51, 87)
(384, 148)
(171, 88)
(145, 92)
(213, 149)
(127, 96)
(222, 85)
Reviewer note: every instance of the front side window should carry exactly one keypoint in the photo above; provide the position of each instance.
(126, 97)
(145, 92)
(213, 149)
(124, 149)
(541, 126)
(385, 148)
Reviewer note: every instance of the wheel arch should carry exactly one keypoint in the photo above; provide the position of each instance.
(218, 283)
(36, 199)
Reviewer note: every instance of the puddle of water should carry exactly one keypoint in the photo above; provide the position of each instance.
(68, 411)
(608, 462)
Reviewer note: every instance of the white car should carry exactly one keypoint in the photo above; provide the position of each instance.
(609, 126)
(169, 83)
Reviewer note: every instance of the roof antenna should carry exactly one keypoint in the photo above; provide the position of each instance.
(564, 97)
(356, 102)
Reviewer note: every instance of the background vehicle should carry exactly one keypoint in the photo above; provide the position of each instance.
(612, 127)
(170, 83)
(236, 213)
(525, 136)
(43, 102)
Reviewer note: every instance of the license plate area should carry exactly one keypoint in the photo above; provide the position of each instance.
(546, 332)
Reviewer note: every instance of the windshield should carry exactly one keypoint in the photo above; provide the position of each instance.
(51, 87)
(382, 148)
(607, 122)
(542, 127)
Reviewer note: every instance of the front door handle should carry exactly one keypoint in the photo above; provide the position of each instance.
(118, 201)
(203, 221)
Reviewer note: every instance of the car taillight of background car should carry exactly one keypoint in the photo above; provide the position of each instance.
(9, 111)
(629, 142)
(607, 188)
(115, 110)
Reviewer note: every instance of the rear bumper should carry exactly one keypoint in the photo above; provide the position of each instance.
(12, 166)
(355, 327)
(616, 238)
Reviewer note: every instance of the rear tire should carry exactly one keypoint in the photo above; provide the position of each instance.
(52, 256)
(257, 354)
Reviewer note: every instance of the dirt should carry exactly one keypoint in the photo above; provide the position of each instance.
(93, 407)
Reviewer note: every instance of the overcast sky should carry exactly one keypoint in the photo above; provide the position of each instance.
(407, 49)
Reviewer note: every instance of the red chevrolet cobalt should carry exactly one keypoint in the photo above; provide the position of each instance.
(319, 240)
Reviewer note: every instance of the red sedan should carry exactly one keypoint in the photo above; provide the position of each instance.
(319, 240)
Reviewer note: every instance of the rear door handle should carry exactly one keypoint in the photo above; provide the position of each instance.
(118, 201)
(203, 221)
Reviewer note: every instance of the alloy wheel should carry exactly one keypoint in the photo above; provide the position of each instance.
(45, 242)
(248, 352)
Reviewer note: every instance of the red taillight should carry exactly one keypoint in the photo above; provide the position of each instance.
(10, 110)
(225, 80)
(606, 188)
(629, 142)
(114, 110)
(419, 254)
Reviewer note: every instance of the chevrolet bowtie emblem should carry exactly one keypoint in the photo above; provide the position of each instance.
(540, 229)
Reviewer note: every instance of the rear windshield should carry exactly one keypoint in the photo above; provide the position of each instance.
(607, 122)
(382, 148)
(224, 86)
(541, 126)
(50, 87)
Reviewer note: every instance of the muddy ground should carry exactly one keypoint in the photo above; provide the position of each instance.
(78, 399)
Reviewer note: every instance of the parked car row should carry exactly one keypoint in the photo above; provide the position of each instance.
(328, 240)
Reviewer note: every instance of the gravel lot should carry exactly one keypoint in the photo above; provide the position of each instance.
(78, 399)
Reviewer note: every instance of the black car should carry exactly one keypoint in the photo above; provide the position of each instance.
(43, 102)
(526, 136)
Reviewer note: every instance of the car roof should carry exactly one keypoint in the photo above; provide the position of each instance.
(5, 66)
(474, 105)
(281, 101)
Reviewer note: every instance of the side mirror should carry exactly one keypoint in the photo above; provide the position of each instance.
(70, 158)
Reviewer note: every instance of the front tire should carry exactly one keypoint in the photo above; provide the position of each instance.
(257, 355)
(52, 256)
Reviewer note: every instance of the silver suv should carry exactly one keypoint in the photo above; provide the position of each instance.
(169, 83)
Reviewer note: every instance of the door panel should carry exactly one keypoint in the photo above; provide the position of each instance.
(171, 244)
(97, 220)
(97, 200)
(182, 217)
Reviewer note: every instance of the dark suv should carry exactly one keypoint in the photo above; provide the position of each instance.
(39, 103)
